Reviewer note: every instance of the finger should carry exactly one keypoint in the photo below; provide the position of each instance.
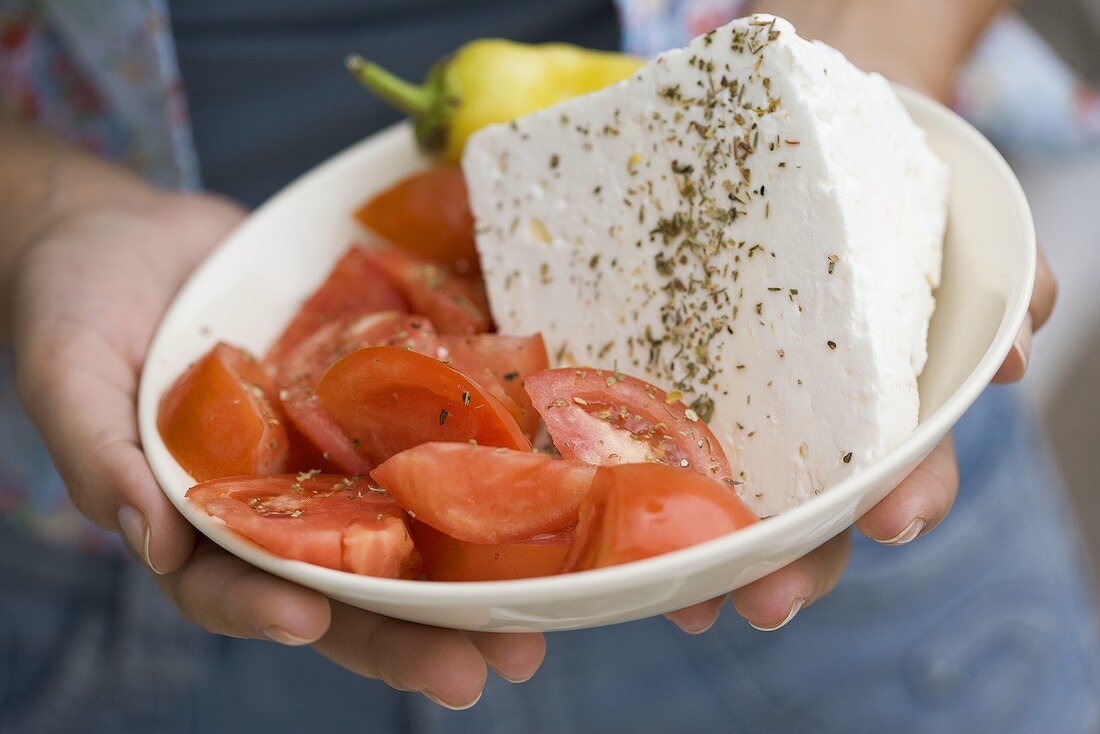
(514, 656)
(440, 663)
(698, 618)
(1043, 298)
(919, 503)
(223, 594)
(197, 222)
(84, 306)
(1015, 365)
(1045, 294)
(88, 422)
(774, 600)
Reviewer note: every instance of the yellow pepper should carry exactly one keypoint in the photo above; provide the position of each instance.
(490, 81)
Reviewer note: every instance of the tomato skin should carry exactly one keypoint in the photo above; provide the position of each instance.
(450, 559)
(456, 305)
(605, 417)
(218, 418)
(308, 361)
(304, 366)
(328, 520)
(429, 214)
(501, 364)
(386, 400)
(636, 511)
(354, 287)
(481, 494)
(313, 421)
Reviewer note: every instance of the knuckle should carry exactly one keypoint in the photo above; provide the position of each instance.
(195, 595)
(116, 456)
(1045, 296)
(95, 488)
(1052, 289)
(202, 215)
(88, 503)
(214, 597)
(373, 663)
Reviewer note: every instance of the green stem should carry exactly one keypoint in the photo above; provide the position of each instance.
(412, 99)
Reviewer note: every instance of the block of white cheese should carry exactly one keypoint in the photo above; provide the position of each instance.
(750, 220)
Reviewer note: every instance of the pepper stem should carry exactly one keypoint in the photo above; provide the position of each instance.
(412, 99)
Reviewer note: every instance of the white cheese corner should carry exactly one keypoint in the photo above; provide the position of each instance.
(750, 220)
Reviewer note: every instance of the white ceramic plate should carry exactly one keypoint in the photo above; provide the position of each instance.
(246, 291)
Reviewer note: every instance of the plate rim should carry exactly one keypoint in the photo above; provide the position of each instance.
(706, 555)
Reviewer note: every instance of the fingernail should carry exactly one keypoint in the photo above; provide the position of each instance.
(280, 635)
(514, 680)
(1022, 348)
(798, 604)
(698, 630)
(137, 534)
(908, 535)
(446, 705)
(1021, 353)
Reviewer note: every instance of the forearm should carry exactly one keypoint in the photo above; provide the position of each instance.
(42, 179)
(919, 43)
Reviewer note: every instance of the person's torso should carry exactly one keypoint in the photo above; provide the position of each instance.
(267, 90)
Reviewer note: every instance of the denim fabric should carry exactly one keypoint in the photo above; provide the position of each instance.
(986, 625)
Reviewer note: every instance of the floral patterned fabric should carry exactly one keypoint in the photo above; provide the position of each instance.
(103, 74)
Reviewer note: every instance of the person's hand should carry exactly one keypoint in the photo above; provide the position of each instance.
(911, 510)
(921, 45)
(87, 295)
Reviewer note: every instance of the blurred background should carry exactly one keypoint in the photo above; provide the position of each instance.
(1063, 383)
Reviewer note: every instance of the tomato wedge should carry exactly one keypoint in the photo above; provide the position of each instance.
(456, 305)
(218, 419)
(304, 366)
(303, 456)
(386, 400)
(501, 364)
(469, 364)
(428, 213)
(636, 511)
(328, 520)
(354, 287)
(315, 354)
(605, 417)
(486, 495)
(451, 559)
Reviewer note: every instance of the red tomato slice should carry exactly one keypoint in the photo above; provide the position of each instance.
(451, 559)
(327, 520)
(386, 400)
(636, 511)
(501, 364)
(354, 287)
(324, 347)
(493, 386)
(456, 305)
(303, 456)
(604, 417)
(218, 419)
(486, 495)
(428, 213)
(307, 362)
